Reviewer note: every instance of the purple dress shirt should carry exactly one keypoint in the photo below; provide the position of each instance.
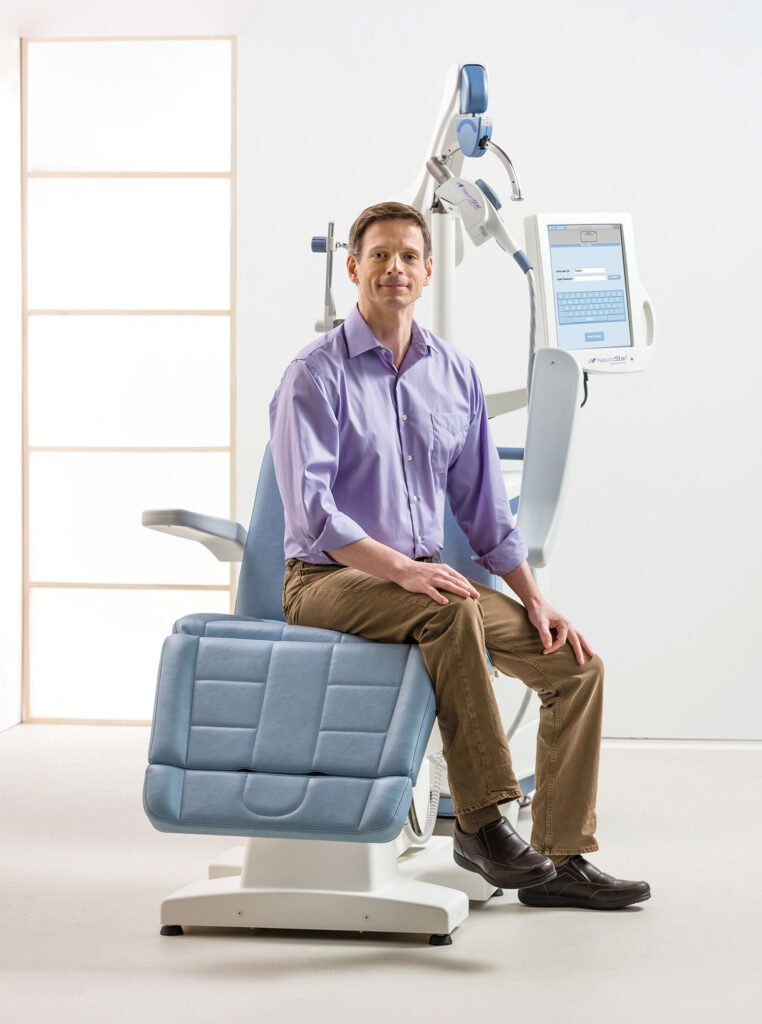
(362, 449)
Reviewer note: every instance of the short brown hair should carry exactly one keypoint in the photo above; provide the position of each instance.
(387, 211)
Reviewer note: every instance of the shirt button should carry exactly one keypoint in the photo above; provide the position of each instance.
(404, 417)
(414, 498)
(409, 458)
(419, 538)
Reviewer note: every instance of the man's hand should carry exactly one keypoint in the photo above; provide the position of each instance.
(426, 577)
(544, 618)
(370, 556)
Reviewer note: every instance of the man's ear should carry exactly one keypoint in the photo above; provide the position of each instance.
(352, 268)
(429, 268)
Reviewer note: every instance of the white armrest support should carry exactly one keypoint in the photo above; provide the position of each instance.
(224, 538)
(555, 399)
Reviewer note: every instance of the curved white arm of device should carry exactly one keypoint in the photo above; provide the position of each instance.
(555, 399)
(496, 228)
(420, 194)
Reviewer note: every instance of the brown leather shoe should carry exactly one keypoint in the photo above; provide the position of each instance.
(580, 884)
(498, 853)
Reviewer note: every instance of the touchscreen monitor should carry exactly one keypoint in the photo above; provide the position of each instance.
(590, 296)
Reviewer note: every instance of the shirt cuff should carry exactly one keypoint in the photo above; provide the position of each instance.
(338, 531)
(506, 556)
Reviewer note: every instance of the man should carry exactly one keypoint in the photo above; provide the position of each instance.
(372, 425)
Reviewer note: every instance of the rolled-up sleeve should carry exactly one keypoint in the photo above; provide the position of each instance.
(304, 434)
(479, 502)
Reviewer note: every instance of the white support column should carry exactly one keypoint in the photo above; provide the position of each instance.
(443, 282)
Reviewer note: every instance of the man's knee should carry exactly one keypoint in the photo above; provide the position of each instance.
(591, 679)
(460, 613)
(579, 679)
(462, 607)
(594, 670)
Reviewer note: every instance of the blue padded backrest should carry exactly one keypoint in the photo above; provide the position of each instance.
(260, 584)
(457, 552)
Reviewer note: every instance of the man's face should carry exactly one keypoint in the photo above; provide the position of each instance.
(390, 272)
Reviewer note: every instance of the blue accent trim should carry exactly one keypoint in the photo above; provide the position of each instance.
(489, 193)
(473, 89)
(446, 809)
(319, 243)
(527, 784)
(510, 454)
(470, 131)
(523, 261)
(514, 506)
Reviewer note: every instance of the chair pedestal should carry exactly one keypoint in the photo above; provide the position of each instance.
(331, 886)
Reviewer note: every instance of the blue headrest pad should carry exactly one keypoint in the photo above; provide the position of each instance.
(282, 738)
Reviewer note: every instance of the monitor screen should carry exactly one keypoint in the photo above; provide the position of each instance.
(591, 301)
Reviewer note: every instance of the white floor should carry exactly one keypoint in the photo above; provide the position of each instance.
(82, 873)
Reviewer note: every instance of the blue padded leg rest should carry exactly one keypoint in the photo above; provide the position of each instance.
(281, 738)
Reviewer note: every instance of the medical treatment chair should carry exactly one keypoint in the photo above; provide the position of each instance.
(306, 742)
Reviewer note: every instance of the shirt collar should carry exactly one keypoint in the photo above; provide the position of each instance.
(360, 338)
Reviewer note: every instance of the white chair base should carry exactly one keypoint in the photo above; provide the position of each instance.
(333, 886)
(308, 884)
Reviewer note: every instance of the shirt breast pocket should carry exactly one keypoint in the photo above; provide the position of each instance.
(449, 431)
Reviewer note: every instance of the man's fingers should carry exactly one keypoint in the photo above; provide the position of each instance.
(561, 635)
(461, 581)
(565, 633)
(456, 576)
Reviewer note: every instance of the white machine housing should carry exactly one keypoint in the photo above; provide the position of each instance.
(593, 354)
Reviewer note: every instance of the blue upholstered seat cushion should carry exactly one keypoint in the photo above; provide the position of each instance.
(241, 627)
(286, 738)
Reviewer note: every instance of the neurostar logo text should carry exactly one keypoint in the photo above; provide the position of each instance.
(471, 200)
(608, 359)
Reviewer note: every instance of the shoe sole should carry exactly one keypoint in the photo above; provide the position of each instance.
(493, 880)
(545, 900)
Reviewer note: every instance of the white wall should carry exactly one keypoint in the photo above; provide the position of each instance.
(620, 105)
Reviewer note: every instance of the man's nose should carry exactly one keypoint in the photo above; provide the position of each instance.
(395, 264)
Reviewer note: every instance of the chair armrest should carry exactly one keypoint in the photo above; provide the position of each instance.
(224, 538)
(505, 401)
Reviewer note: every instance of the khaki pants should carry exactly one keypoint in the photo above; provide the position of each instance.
(452, 639)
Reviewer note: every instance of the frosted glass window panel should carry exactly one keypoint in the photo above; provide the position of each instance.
(85, 516)
(95, 653)
(160, 381)
(128, 243)
(143, 105)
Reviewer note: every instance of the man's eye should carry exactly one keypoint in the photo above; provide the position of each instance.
(411, 256)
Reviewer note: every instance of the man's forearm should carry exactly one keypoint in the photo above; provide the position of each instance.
(522, 583)
(371, 556)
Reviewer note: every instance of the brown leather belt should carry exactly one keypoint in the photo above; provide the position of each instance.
(428, 558)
